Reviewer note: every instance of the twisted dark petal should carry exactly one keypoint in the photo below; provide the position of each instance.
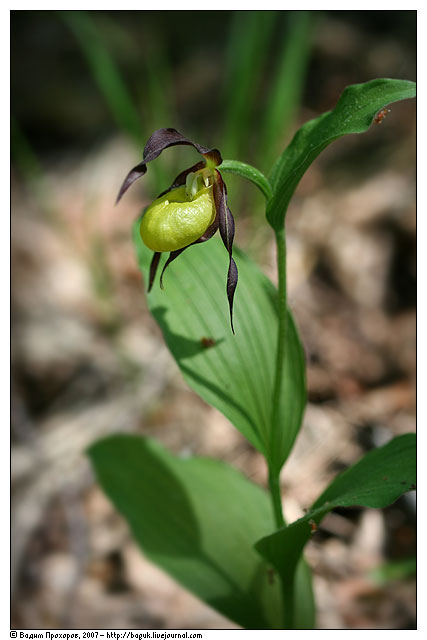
(153, 268)
(226, 229)
(172, 256)
(210, 231)
(232, 278)
(180, 179)
(160, 140)
(134, 174)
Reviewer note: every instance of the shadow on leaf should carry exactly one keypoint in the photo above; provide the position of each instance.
(184, 347)
(165, 500)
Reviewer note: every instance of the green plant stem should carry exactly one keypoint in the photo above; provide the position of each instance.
(273, 481)
(278, 390)
(288, 597)
(274, 471)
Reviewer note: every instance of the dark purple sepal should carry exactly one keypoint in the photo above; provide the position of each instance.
(158, 142)
(132, 176)
(153, 268)
(226, 229)
(164, 138)
(172, 256)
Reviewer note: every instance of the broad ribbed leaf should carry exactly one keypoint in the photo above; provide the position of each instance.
(198, 519)
(234, 373)
(354, 113)
(377, 480)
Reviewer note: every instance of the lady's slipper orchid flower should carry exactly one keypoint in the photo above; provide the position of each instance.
(190, 211)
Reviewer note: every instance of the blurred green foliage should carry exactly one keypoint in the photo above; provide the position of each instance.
(105, 72)
(229, 77)
(394, 570)
(238, 80)
(232, 79)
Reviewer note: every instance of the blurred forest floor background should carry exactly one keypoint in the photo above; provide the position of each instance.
(88, 359)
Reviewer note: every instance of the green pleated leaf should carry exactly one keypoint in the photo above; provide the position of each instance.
(234, 373)
(377, 480)
(198, 520)
(354, 113)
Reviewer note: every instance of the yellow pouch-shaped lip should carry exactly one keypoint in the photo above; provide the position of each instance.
(173, 221)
